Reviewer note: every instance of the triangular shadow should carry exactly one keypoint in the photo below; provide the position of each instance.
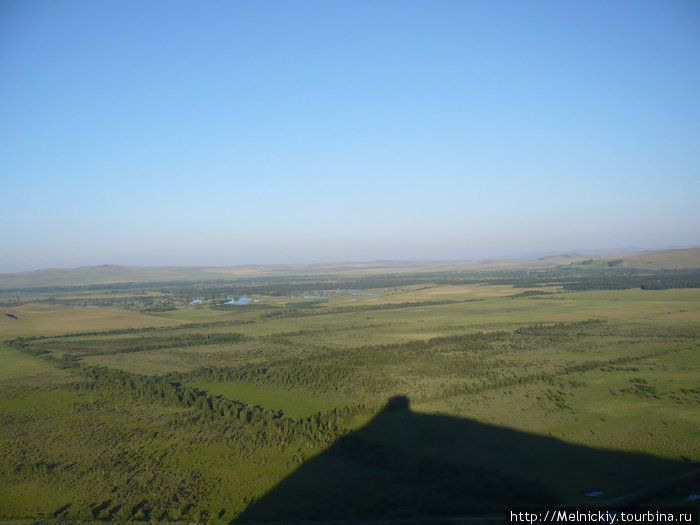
(403, 464)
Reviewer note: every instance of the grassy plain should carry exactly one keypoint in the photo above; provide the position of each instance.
(152, 408)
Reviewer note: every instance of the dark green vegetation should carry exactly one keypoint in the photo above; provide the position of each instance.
(405, 464)
(453, 392)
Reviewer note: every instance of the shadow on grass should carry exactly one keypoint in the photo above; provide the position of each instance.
(408, 465)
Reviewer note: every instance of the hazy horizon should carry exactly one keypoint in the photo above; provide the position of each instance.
(224, 134)
(505, 257)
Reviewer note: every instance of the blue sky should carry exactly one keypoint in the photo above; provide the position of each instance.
(242, 132)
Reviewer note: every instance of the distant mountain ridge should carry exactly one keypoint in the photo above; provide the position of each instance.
(112, 273)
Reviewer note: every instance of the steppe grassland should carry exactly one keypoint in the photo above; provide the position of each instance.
(628, 383)
(498, 308)
(40, 319)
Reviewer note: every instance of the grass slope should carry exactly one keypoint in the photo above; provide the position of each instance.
(667, 259)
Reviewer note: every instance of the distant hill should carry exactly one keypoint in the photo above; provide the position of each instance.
(111, 274)
(106, 274)
(682, 259)
(666, 259)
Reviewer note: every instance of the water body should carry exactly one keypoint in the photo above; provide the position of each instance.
(238, 300)
(315, 297)
(196, 301)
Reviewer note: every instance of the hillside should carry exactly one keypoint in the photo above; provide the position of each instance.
(112, 274)
(666, 259)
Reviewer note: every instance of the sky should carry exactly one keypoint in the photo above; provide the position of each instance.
(256, 132)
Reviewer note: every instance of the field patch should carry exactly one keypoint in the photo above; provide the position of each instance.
(292, 403)
(16, 365)
(44, 319)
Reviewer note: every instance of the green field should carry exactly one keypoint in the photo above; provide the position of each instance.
(19, 366)
(401, 393)
(290, 403)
